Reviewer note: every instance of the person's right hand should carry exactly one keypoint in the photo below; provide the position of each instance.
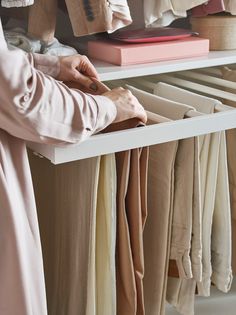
(127, 105)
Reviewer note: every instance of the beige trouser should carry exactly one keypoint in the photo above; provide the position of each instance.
(186, 201)
(131, 215)
(161, 168)
(67, 221)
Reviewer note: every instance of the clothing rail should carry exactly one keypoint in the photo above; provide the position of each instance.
(133, 138)
(155, 134)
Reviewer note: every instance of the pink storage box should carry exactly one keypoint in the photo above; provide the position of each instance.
(127, 54)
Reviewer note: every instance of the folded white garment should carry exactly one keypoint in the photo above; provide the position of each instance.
(16, 3)
(120, 12)
(163, 12)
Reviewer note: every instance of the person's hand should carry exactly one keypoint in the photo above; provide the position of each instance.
(78, 69)
(127, 105)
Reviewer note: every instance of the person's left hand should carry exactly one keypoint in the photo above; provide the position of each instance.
(78, 69)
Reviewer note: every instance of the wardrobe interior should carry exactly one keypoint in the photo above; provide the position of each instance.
(97, 245)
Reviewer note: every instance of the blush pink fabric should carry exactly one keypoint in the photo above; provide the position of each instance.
(210, 7)
(33, 107)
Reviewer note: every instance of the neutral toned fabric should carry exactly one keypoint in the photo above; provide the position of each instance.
(210, 7)
(185, 201)
(165, 159)
(229, 74)
(181, 295)
(67, 221)
(106, 237)
(18, 38)
(230, 6)
(22, 288)
(163, 12)
(26, 114)
(88, 17)
(221, 240)
(125, 278)
(16, 3)
(131, 215)
(45, 13)
(213, 170)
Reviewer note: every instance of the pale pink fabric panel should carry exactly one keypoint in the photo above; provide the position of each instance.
(36, 107)
(22, 290)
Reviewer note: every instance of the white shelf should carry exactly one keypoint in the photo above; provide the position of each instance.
(139, 137)
(128, 139)
(215, 58)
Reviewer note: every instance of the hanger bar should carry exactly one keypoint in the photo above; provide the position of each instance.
(197, 87)
(207, 79)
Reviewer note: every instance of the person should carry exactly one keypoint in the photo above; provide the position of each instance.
(35, 106)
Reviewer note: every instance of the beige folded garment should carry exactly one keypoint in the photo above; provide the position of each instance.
(90, 16)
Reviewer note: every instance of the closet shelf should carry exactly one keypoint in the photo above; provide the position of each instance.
(133, 138)
(215, 58)
(150, 135)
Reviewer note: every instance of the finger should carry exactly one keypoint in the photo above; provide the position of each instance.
(88, 68)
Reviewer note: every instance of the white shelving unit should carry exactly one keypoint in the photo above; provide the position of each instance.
(215, 58)
(155, 134)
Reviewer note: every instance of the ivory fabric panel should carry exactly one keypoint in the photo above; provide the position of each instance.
(163, 12)
(229, 74)
(106, 237)
(230, 6)
(213, 162)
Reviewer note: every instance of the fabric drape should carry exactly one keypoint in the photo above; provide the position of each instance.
(131, 215)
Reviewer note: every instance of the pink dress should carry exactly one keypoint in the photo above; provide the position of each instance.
(33, 106)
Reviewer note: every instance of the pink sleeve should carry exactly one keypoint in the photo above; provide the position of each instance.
(38, 108)
(49, 65)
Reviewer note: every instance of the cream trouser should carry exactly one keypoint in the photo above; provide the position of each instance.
(230, 75)
(78, 227)
(215, 196)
